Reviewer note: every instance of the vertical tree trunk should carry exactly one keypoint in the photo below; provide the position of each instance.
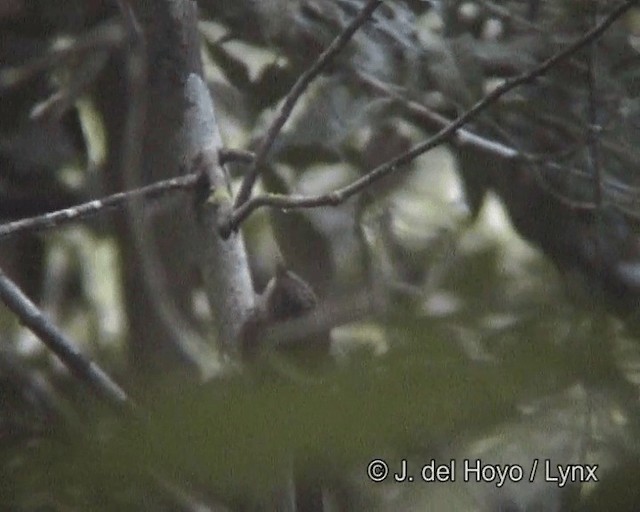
(166, 251)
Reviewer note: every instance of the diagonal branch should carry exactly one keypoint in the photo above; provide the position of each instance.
(91, 208)
(339, 196)
(86, 371)
(79, 365)
(462, 136)
(294, 95)
(82, 211)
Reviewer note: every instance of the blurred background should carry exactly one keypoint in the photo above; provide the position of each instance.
(501, 270)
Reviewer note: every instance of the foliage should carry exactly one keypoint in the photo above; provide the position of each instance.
(503, 315)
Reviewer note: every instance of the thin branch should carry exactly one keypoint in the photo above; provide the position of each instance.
(339, 196)
(106, 36)
(463, 137)
(79, 365)
(86, 371)
(90, 208)
(294, 95)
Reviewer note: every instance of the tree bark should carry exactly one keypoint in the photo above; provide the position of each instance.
(167, 251)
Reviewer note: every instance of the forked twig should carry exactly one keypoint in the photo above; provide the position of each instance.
(339, 196)
(294, 95)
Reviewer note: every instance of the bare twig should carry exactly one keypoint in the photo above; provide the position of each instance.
(296, 92)
(341, 195)
(106, 36)
(86, 371)
(90, 208)
(79, 365)
(463, 137)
